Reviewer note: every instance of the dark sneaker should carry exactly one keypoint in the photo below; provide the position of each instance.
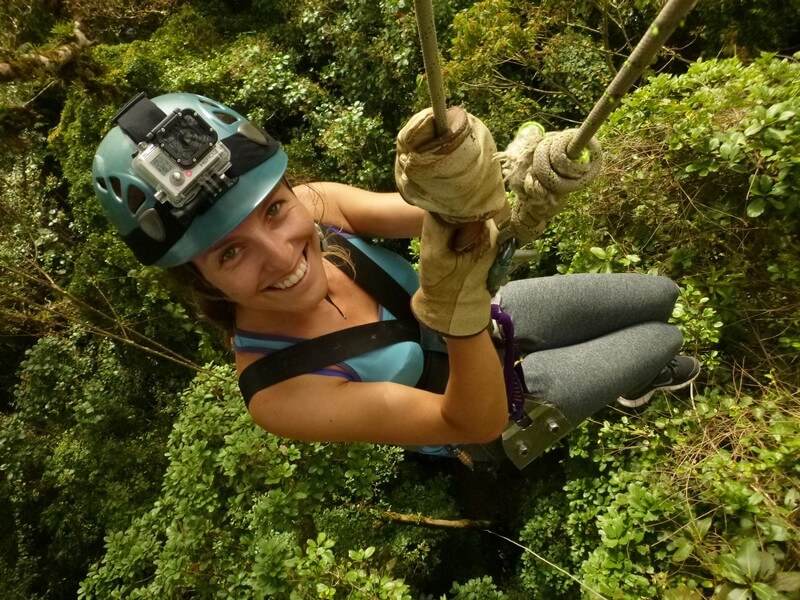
(679, 373)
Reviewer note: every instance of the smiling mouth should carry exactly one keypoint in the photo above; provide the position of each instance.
(293, 279)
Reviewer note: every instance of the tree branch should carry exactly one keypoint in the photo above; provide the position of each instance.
(431, 522)
(35, 64)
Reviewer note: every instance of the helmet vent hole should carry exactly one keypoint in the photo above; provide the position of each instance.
(209, 103)
(117, 187)
(136, 198)
(225, 117)
(102, 183)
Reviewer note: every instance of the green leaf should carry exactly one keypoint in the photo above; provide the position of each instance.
(764, 591)
(684, 551)
(787, 581)
(768, 567)
(598, 252)
(749, 559)
(755, 208)
(683, 592)
(701, 527)
(738, 594)
(730, 569)
(753, 129)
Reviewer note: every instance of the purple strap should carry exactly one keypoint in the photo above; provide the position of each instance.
(514, 391)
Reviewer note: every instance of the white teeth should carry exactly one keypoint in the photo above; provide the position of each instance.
(294, 277)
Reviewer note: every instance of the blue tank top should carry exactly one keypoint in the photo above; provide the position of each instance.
(399, 363)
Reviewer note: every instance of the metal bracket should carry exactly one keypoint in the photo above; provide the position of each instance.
(541, 427)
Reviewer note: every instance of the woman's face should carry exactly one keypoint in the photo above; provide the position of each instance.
(272, 261)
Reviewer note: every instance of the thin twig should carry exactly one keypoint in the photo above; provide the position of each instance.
(548, 563)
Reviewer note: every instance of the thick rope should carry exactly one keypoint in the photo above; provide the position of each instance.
(538, 171)
(542, 169)
(430, 56)
(644, 53)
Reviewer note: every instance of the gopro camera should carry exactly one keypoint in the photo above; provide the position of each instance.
(183, 159)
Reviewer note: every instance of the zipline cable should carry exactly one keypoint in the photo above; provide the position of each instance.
(430, 57)
(643, 54)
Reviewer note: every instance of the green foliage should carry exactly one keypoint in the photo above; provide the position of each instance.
(477, 589)
(236, 508)
(355, 148)
(112, 20)
(772, 26)
(754, 572)
(415, 553)
(666, 507)
(650, 507)
(69, 467)
(25, 25)
(700, 183)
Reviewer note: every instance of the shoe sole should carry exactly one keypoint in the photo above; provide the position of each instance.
(641, 401)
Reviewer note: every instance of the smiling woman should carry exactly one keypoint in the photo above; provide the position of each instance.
(219, 213)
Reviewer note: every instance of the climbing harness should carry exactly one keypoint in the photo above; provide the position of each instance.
(533, 427)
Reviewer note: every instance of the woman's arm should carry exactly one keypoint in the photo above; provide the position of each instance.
(369, 214)
(318, 408)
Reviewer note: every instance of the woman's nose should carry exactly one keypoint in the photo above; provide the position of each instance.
(276, 251)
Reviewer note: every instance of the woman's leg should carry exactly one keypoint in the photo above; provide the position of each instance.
(583, 378)
(551, 312)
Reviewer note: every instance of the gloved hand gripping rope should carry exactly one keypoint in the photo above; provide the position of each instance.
(457, 180)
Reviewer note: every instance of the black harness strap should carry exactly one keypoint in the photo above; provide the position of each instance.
(318, 353)
(371, 277)
(311, 355)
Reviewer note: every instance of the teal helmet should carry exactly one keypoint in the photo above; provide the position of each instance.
(180, 172)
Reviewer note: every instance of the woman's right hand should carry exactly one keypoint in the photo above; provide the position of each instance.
(455, 174)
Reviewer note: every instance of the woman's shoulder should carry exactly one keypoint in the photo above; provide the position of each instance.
(324, 200)
(363, 212)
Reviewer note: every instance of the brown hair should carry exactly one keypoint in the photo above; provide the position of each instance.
(204, 300)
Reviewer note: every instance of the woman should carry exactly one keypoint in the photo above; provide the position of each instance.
(205, 194)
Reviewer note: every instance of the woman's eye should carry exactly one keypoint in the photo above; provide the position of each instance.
(229, 254)
(274, 209)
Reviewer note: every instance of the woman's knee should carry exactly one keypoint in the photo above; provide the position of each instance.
(668, 288)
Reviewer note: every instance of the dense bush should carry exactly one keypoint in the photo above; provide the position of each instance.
(717, 149)
(236, 510)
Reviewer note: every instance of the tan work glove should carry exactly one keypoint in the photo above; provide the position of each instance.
(453, 175)
(453, 299)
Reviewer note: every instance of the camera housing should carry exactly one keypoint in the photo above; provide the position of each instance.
(183, 159)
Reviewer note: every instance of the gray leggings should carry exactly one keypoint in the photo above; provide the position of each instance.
(590, 338)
